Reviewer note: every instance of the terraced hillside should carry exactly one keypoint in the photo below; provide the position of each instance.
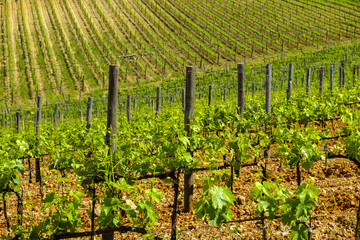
(49, 47)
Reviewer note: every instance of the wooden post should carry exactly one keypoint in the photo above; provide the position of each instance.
(210, 93)
(89, 112)
(274, 89)
(268, 90)
(18, 113)
(56, 114)
(343, 76)
(112, 120)
(290, 81)
(60, 115)
(135, 105)
(253, 88)
(268, 104)
(128, 110)
(308, 72)
(38, 123)
(83, 83)
(189, 117)
(321, 76)
(340, 77)
(81, 113)
(103, 80)
(112, 106)
(357, 228)
(158, 96)
(66, 110)
(354, 75)
(241, 88)
(224, 90)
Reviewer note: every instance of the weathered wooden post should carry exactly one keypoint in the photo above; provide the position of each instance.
(290, 81)
(189, 117)
(331, 78)
(112, 106)
(111, 126)
(253, 88)
(268, 103)
(321, 76)
(128, 110)
(241, 89)
(308, 73)
(56, 114)
(38, 123)
(158, 96)
(342, 74)
(6, 119)
(268, 90)
(89, 112)
(357, 228)
(210, 93)
(18, 113)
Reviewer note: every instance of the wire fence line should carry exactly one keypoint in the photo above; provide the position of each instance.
(144, 96)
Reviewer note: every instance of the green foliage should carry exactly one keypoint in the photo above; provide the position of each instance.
(216, 200)
(299, 146)
(293, 208)
(64, 215)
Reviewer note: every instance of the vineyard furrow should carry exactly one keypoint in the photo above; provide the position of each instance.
(41, 78)
(72, 63)
(261, 28)
(5, 91)
(222, 39)
(108, 49)
(226, 37)
(129, 42)
(96, 47)
(162, 18)
(31, 78)
(20, 72)
(110, 39)
(147, 36)
(60, 63)
(298, 29)
(155, 27)
(198, 32)
(88, 24)
(274, 28)
(133, 15)
(131, 37)
(327, 11)
(116, 40)
(76, 37)
(213, 12)
(46, 49)
(141, 14)
(306, 14)
(46, 64)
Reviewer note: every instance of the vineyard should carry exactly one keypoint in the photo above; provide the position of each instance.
(179, 119)
(54, 47)
(261, 151)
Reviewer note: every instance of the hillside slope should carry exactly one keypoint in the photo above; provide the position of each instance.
(49, 47)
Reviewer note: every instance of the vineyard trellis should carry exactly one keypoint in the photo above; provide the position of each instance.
(165, 175)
